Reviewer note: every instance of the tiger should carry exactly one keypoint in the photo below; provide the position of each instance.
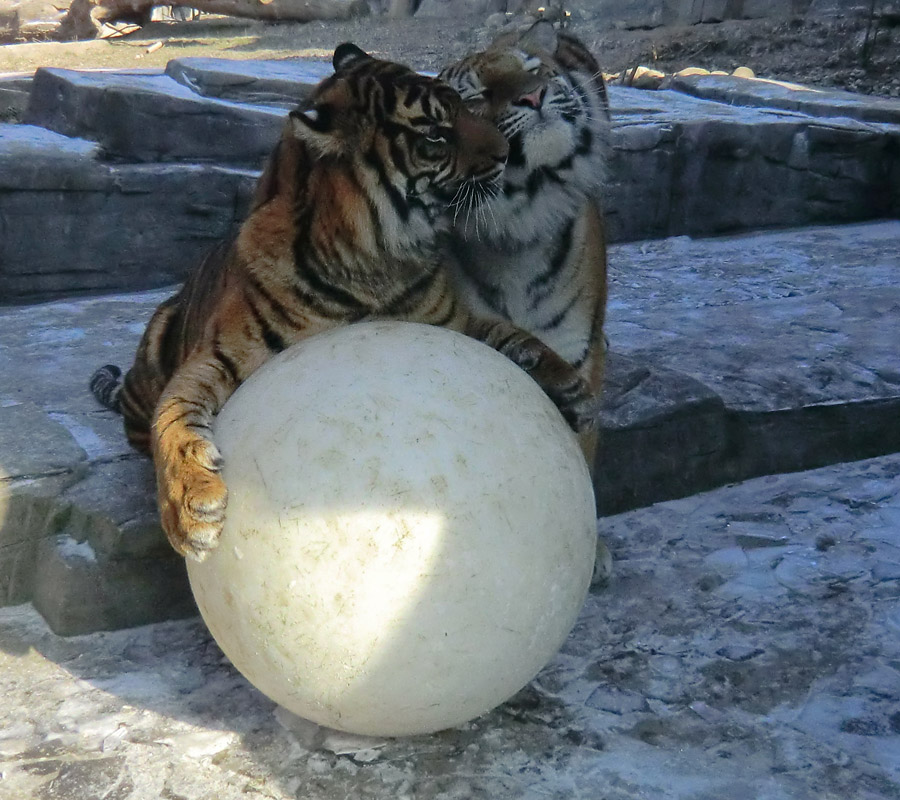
(535, 252)
(342, 227)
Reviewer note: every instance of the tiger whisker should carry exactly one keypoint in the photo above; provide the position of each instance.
(493, 192)
(455, 203)
(482, 211)
(477, 202)
(468, 201)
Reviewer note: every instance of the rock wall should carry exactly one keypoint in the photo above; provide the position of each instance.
(120, 181)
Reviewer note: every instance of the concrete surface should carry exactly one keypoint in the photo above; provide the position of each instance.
(747, 649)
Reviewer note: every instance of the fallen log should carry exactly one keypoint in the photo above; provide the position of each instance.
(85, 17)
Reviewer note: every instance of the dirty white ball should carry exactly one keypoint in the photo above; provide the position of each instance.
(410, 530)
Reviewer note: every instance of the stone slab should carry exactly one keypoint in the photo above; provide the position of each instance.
(71, 224)
(151, 118)
(680, 164)
(731, 358)
(764, 93)
(78, 524)
(748, 647)
(792, 337)
(701, 168)
(770, 320)
(286, 83)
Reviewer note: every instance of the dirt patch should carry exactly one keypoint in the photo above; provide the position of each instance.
(816, 51)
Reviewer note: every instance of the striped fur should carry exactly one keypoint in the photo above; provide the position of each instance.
(342, 228)
(536, 252)
(105, 385)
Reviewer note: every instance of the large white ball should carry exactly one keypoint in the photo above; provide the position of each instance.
(410, 530)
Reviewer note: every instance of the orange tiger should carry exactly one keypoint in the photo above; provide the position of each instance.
(342, 228)
(535, 253)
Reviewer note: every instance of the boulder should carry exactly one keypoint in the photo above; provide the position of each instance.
(75, 224)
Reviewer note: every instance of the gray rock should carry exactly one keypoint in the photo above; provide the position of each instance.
(680, 165)
(763, 93)
(285, 83)
(78, 590)
(646, 410)
(101, 226)
(149, 117)
(78, 528)
(682, 168)
(40, 458)
(80, 536)
(779, 337)
(34, 445)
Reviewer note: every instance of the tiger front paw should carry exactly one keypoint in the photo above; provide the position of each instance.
(192, 500)
(577, 403)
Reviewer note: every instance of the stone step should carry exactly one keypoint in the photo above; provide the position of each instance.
(698, 164)
(149, 117)
(73, 224)
(772, 352)
(763, 93)
(283, 83)
(731, 358)
(680, 165)
(15, 89)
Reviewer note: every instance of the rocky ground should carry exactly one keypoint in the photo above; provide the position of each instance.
(821, 51)
(747, 649)
(747, 646)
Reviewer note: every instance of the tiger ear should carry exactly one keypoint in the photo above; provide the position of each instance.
(323, 124)
(540, 36)
(347, 54)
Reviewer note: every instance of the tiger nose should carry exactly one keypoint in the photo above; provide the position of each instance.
(533, 99)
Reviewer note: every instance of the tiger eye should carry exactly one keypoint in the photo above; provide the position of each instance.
(430, 148)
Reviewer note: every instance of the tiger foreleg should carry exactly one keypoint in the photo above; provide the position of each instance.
(593, 372)
(561, 382)
(191, 493)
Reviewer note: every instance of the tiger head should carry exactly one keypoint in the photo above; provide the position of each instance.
(544, 92)
(411, 134)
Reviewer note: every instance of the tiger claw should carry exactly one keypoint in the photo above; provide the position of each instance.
(194, 526)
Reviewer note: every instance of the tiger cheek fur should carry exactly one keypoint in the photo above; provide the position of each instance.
(536, 255)
(341, 229)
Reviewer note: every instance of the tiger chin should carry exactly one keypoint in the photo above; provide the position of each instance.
(342, 228)
(535, 252)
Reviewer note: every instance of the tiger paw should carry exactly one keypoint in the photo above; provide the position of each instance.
(192, 502)
(577, 403)
(560, 381)
(603, 566)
